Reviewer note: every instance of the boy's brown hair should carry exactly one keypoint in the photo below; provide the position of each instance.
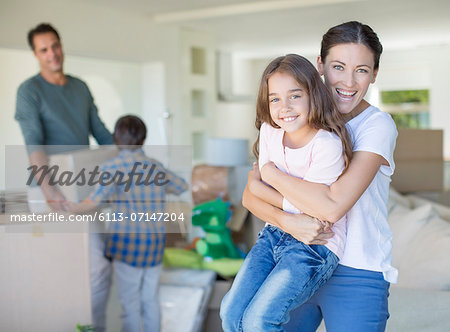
(129, 131)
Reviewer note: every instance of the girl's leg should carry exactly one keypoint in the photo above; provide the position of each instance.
(257, 266)
(151, 315)
(352, 300)
(299, 272)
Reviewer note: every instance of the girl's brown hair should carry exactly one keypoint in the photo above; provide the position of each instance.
(323, 113)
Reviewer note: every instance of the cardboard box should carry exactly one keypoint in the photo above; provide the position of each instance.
(419, 160)
(418, 175)
(210, 182)
(45, 281)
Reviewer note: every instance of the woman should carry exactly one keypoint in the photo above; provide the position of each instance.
(355, 298)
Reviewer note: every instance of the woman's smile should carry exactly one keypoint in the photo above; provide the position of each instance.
(348, 70)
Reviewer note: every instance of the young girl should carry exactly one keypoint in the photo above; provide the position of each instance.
(302, 132)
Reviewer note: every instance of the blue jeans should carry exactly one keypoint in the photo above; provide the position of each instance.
(352, 300)
(139, 297)
(279, 274)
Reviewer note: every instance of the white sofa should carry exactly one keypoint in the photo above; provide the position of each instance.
(420, 301)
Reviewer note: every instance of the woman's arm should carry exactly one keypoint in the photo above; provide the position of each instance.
(302, 227)
(321, 201)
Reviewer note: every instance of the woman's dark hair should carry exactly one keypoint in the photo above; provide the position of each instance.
(323, 113)
(41, 28)
(352, 32)
(129, 131)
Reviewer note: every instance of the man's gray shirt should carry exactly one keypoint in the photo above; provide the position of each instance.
(51, 114)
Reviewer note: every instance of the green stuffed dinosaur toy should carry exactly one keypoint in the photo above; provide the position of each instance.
(212, 217)
(216, 250)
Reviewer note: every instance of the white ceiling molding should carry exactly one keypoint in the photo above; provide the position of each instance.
(240, 9)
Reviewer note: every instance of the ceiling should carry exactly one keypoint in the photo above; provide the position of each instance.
(260, 28)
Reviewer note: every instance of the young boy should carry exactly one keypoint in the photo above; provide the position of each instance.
(135, 242)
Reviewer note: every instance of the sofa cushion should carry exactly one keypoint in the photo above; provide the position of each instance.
(421, 247)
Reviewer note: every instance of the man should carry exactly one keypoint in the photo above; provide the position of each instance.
(54, 108)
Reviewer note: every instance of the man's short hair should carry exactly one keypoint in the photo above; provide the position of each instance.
(41, 28)
(129, 130)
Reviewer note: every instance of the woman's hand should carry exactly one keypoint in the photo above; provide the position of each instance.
(307, 229)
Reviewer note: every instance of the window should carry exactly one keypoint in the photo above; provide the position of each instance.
(409, 108)
(198, 61)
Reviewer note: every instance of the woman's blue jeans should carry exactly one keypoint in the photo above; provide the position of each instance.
(352, 300)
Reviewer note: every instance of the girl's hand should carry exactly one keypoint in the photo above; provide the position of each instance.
(307, 229)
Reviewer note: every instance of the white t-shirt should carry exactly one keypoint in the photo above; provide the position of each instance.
(320, 161)
(369, 238)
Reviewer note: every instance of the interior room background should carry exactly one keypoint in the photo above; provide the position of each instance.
(192, 73)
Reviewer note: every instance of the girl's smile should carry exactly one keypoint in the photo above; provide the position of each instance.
(289, 119)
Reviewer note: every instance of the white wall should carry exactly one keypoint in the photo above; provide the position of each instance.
(235, 120)
(439, 101)
(86, 27)
(115, 85)
(154, 104)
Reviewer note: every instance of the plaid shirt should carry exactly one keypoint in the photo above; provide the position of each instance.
(138, 243)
